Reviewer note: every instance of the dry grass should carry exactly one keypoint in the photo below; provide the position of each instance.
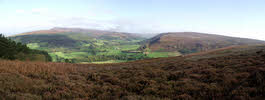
(35, 67)
(225, 77)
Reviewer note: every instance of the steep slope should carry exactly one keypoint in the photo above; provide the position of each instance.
(231, 74)
(189, 42)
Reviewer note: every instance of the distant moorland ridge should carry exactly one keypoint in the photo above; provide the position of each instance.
(190, 42)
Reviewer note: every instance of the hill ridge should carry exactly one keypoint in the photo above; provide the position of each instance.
(193, 41)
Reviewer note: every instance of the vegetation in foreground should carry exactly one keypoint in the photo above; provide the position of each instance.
(236, 73)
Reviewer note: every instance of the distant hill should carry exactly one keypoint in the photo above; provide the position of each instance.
(99, 46)
(99, 34)
(83, 45)
(71, 37)
(190, 42)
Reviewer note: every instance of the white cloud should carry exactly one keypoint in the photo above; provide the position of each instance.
(48, 20)
(20, 11)
(39, 10)
(121, 25)
(82, 22)
(35, 11)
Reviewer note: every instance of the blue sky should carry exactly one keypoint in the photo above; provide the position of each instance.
(240, 18)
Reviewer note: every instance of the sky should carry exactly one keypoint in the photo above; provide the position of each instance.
(238, 18)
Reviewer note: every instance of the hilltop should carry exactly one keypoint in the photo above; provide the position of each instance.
(191, 42)
(93, 33)
(229, 73)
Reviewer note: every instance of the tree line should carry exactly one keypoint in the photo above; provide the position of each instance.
(12, 50)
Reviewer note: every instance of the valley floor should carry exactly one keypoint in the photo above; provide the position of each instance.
(227, 74)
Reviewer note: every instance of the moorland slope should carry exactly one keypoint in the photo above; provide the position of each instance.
(230, 73)
(191, 42)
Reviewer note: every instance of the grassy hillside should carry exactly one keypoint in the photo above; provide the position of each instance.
(230, 73)
(84, 46)
(76, 45)
(190, 42)
(16, 51)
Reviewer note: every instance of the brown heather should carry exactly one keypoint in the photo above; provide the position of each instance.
(226, 74)
(191, 42)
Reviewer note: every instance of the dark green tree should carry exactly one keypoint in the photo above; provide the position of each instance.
(12, 50)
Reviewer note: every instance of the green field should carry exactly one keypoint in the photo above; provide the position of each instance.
(105, 54)
(81, 48)
(162, 54)
(33, 45)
